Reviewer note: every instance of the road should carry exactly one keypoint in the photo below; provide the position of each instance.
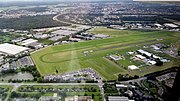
(100, 84)
(134, 80)
(55, 18)
(53, 84)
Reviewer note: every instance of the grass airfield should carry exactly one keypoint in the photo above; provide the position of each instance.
(71, 57)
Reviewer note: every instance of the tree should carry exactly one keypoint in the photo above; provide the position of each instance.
(159, 62)
(56, 71)
(92, 96)
(15, 95)
(24, 95)
(37, 96)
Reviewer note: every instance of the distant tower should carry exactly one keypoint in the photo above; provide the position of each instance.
(175, 92)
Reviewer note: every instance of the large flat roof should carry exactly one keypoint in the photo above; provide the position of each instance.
(63, 32)
(117, 98)
(170, 25)
(133, 67)
(11, 49)
(28, 41)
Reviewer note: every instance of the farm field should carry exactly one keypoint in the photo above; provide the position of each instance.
(71, 57)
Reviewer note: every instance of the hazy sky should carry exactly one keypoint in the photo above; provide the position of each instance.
(46, 0)
(54, 0)
(156, 0)
(78, 0)
(21, 0)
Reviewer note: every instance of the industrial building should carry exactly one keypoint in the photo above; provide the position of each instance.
(11, 49)
(118, 98)
(133, 67)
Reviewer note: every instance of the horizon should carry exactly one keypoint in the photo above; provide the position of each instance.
(9, 1)
(56, 0)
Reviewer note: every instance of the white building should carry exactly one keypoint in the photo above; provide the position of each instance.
(1, 58)
(41, 36)
(121, 86)
(63, 32)
(118, 98)
(55, 97)
(151, 62)
(144, 52)
(115, 57)
(159, 26)
(155, 47)
(130, 53)
(140, 57)
(28, 41)
(11, 49)
(170, 25)
(133, 67)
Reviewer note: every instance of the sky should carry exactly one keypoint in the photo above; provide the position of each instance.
(77, 0)
(20, 0)
(42, 0)
(156, 0)
(55, 0)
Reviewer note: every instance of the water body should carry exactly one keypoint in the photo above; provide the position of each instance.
(19, 76)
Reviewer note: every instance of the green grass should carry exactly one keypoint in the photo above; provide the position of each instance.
(70, 57)
(7, 37)
(7, 87)
(146, 84)
(45, 41)
(8, 90)
(110, 32)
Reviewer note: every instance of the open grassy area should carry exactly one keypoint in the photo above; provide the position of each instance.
(70, 57)
(7, 37)
(5, 92)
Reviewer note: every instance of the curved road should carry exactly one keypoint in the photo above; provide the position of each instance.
(55, 18)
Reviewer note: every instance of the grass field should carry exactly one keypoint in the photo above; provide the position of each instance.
(70, 57)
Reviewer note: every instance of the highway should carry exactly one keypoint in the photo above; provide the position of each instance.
(53, 84)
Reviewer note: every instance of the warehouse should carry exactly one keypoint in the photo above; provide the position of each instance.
(170, 25)
(118, 98)
(10, 49)
(140, 57)
(133, 67)
(28, 41)
(144, 52)
(115, 57)
(63, 32)
(56, 38)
